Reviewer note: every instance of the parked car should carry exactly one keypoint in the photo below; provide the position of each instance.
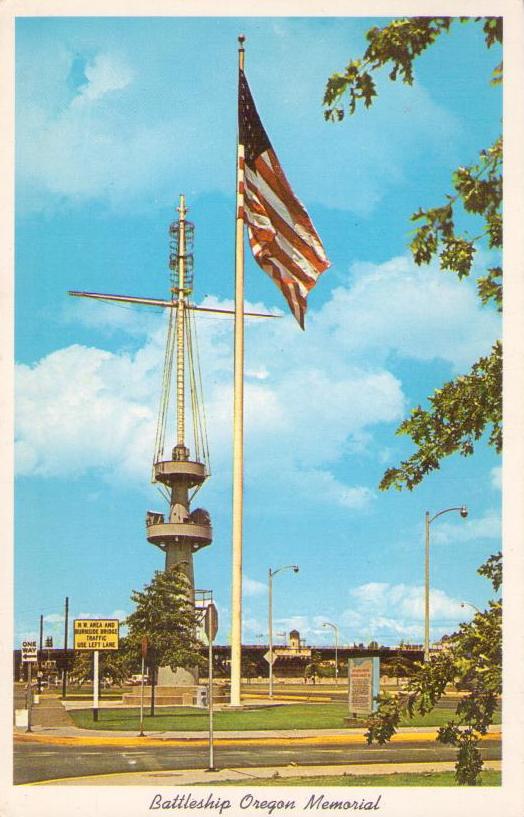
(136, 680)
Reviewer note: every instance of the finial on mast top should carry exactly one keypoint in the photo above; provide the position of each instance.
(241, 51)
(182, 209)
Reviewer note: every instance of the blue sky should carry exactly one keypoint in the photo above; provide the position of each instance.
(115, 118)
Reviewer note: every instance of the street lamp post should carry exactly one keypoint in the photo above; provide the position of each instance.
(272, 573)
(335, 629)
(462, 509)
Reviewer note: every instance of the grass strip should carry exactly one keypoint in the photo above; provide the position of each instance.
(488, 778)
(190, 719)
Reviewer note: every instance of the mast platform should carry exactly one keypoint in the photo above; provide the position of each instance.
(191, 473)
(189, 533)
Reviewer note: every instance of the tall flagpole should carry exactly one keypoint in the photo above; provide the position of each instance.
(238, 423)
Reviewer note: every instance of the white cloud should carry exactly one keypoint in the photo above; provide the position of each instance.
(390, 612)
(127, 132)
(471, 529)
(119, 614)
(106, 143)
(81, 408)
(419, 314)
(105, 73)
(387, 613)
(406, 601)
(252, 587)
(54, 618)
(310, 398)
(383, 612)
(379, 611)
(496, 478)
(321, 487)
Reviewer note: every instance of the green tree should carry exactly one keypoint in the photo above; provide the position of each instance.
(115, 665)
(471, 663)
(464, 409)
(164, 614)
(249, 667)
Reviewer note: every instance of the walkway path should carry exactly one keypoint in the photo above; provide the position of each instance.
(250, 776)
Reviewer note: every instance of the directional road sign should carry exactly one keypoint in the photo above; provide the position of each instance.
(29, 652)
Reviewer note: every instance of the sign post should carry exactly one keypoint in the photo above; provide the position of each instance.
(144, 656)
(29, 698)
(29, 656)
(211, 627)
(364, 685)
(95, 685)
(95, 634)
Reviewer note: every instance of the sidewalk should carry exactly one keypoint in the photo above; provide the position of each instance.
(250, 776)
(51, 712)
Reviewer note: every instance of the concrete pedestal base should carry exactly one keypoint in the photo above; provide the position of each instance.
(181, 677)
(174, 696)
(164, 696)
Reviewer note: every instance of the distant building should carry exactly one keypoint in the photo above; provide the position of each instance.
(295, 649)
(294, 640)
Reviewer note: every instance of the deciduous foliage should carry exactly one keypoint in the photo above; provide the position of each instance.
(464, 409)
(397, 44)
(460, 413)
(115, 665)
(471, 663)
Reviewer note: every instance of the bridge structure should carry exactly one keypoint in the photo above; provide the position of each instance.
(253, 658)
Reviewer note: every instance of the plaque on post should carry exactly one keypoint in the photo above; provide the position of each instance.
(363, 686)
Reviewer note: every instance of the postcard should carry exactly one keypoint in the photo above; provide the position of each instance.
(255, 392)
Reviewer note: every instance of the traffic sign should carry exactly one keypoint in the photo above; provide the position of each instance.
(96, 634)
(211, 621)
(270, 658)
(29, 652)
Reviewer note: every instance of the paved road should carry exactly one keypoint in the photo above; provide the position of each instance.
(38, 761)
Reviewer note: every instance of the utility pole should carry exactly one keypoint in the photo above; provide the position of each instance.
(64, 675)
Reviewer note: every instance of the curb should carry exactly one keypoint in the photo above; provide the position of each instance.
(274, 740)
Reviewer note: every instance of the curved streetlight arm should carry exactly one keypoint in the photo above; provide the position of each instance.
(295, 568)
(328, 624)
(462, 509)
(272, 573)
(335, 629)
(469, 604)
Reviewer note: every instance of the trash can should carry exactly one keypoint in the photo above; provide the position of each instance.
(201, 697)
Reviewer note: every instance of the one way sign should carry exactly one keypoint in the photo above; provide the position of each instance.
(29, 653)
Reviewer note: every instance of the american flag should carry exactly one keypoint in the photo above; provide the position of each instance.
(282, 238)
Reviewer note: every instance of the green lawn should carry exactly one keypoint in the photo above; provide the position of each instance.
(487, 778)
(188, 719)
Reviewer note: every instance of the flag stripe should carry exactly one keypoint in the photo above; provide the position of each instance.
(276, 252)
(281, 235)
(296, 302)
(274, 177)
(281, 228)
